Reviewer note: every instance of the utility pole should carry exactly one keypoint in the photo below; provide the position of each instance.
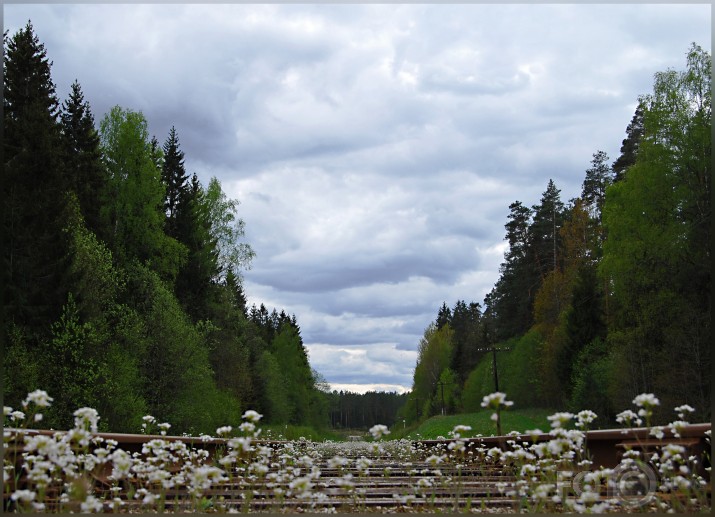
(441, 385)
(494, 351)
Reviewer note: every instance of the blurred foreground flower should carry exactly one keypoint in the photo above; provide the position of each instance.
(378, 431)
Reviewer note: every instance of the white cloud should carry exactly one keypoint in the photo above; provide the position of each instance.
(364, 388)
(369, 364)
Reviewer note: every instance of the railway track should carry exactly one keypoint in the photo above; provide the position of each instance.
(477, 474)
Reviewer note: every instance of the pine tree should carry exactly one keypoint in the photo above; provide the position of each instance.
(544, 238)
(598, 178)
(83, 156)
(517, 231)
(510, 302)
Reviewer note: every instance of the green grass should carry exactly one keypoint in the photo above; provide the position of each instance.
(295, 432)
(512, 420)
(480, 422)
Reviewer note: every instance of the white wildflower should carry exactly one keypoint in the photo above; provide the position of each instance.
(628, 417)
(672, 451)
(496, 400)
(424, 483)
(252, 416)
(541, 492)
(86, 418)
(657, 431)
(682, 410)
(494, 452)
(378, 431)
(247, 427)
(122, 463)
(677, 427)
(435, 460)
(224, 431)
(534, 433)
(337, 462)
(459, 429)
(81, 436)
(261, 469)
(38, 397)
(300, 485)
(362, 464)
(585, 417)
(456, 446)
(25, 496)
(241, 444)
(646, 400)
(559, 419)
(91, 505)
(558, 446)
(528, 470)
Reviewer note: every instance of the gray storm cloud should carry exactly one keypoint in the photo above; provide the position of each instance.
(374, 149)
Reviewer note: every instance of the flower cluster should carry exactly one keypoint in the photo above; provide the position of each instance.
(539, 472)
(496, 400)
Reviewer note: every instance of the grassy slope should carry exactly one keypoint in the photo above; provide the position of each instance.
(481, 423)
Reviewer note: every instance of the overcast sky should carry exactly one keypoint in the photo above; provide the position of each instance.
(374, 149)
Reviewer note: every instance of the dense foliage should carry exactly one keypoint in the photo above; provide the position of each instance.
(605, 296)
(122, 273)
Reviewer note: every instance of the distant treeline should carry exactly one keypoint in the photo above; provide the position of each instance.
(349, 410)
(122, 274)
(605, 296)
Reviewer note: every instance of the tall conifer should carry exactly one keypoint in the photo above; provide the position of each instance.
(175, 179)
(82, 156)
(34, 186)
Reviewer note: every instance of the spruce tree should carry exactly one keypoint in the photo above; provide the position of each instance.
(193, 229)
(465, 323)
(444, 316)
(34, 187)
(629, 147)
(83, 157)
(175, 179)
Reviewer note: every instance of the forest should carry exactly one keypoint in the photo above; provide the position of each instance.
(602, 297)
(122, 273)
